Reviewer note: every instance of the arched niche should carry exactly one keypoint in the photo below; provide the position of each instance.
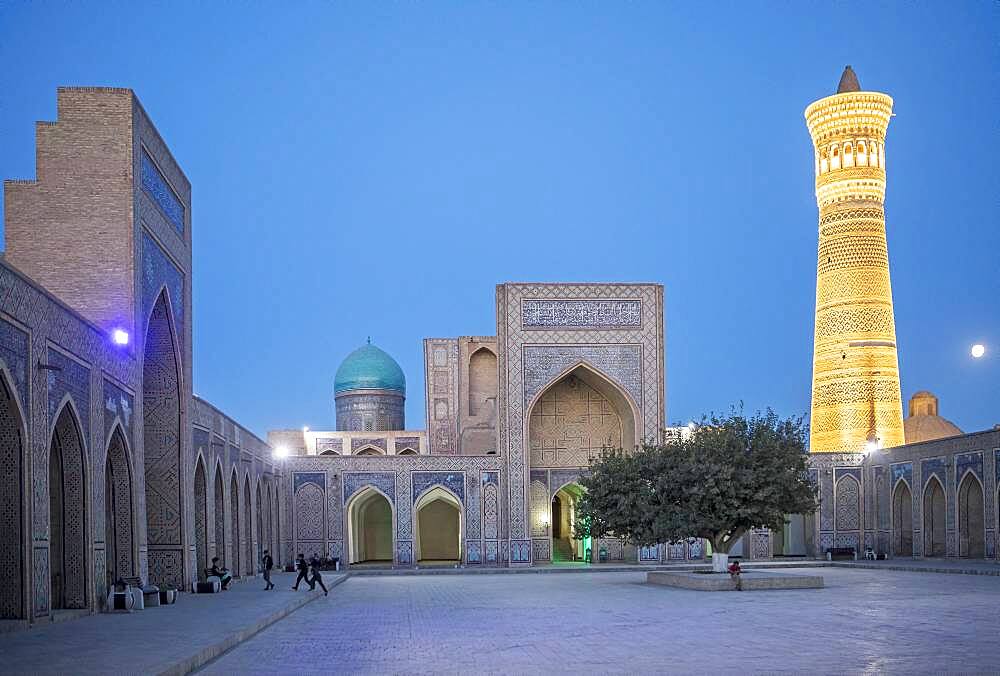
(902, 519)
(971, 518)
(236, 539)
(119, 510)
(68, 502)
(247, 554)
(934, 518)
(200, 517)
(369, 450)
(482, 381)
(562, 521)
(370, 519)
(161, 411)
(437, 526)
(220, 514)
(12, 534)
(576, 416)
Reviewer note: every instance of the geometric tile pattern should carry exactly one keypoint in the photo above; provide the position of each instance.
(605, 314)
(163, 195)
(11, 501)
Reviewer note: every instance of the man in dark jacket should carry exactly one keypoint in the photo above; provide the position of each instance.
(303, 568)
(267, 565)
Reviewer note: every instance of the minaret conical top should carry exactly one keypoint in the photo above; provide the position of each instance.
(848, 81)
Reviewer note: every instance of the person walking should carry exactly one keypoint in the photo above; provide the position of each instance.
(317, 577)
(267, 565)
(303, 568)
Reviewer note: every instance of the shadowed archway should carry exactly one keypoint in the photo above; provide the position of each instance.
(370, 518)
(437, 532)
(902, 520)
(67, 514)
(220, 515)
(201, 518)
(119, 530)
(12, 540)
(971, 518)
(934, 519)
(161, 412)
(236, 540)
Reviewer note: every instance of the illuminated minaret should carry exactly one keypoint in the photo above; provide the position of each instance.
(855, 390)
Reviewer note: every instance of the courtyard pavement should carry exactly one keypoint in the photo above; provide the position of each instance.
(863, 620)
(165, 640)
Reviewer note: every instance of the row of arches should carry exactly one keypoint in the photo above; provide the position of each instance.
(438, 527)
(856, 153)
(252, 517)
(970, 518)
(372, 450)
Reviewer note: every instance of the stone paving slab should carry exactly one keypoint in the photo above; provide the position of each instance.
(165, 640)
(862, 621)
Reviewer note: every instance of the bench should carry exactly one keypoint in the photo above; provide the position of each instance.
(841, 554)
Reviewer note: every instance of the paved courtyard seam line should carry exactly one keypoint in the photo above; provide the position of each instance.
(217, 650)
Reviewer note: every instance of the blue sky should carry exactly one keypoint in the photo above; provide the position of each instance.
(376, 168)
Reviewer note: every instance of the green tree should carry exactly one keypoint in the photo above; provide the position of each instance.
(733, 473)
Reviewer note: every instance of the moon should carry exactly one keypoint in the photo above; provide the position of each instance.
(978, 350)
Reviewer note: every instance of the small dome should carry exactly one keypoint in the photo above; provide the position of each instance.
(924, 423)
(369, 368)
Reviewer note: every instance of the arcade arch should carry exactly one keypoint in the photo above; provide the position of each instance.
(971, 518)
(902, 520)
(247, 554)
(563, 518)
(12, 540)
(119, 528)
(934, 518)
(67, 514)
(369, 523)
(234, 521)
(437, 527)
(161, 410)
(220, 515)
(200, 518)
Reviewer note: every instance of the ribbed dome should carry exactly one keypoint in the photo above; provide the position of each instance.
(369, 368)
(924, 423)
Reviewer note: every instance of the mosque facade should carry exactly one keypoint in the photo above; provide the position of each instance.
(111, 468)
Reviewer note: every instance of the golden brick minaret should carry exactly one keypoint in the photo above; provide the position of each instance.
(856, 402)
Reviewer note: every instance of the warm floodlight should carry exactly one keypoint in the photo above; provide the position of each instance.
(978, 350)
(281, 452)
(119, 337)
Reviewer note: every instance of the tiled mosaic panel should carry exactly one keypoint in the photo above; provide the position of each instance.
(11, 501)
(404, 552)
(299, 479)
(68, 444)
(158, 271)
(620, 363)
(473, 552)
(453, 481)
(491, 505)
(472, 508)
(580, 313)
(159, 190)
(121, 509)
(40, 581)
(848, 503)
(325, 444)
(69, 377)
(968, 462)
(161, 447)
(120, 405)
(384, 481)
(335, 502)
(14, 354)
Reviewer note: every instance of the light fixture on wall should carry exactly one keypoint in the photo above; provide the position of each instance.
(281, 452)
(120, 337)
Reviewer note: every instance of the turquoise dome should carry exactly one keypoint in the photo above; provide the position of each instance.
(369, 368)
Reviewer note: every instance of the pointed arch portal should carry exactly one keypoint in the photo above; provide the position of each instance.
(67, 514)
(370, 525)
(934, 516)
(902, 520)
(119, 514)
(12, 544)
(161, 412)
(438, 527)
(971, 518)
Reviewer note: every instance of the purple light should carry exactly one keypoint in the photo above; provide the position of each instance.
(120, 337)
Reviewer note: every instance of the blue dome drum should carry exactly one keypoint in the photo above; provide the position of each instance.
(370, 391)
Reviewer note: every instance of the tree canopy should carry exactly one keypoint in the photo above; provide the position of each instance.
(733, 473)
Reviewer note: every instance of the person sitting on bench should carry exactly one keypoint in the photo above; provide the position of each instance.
(222, 573)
